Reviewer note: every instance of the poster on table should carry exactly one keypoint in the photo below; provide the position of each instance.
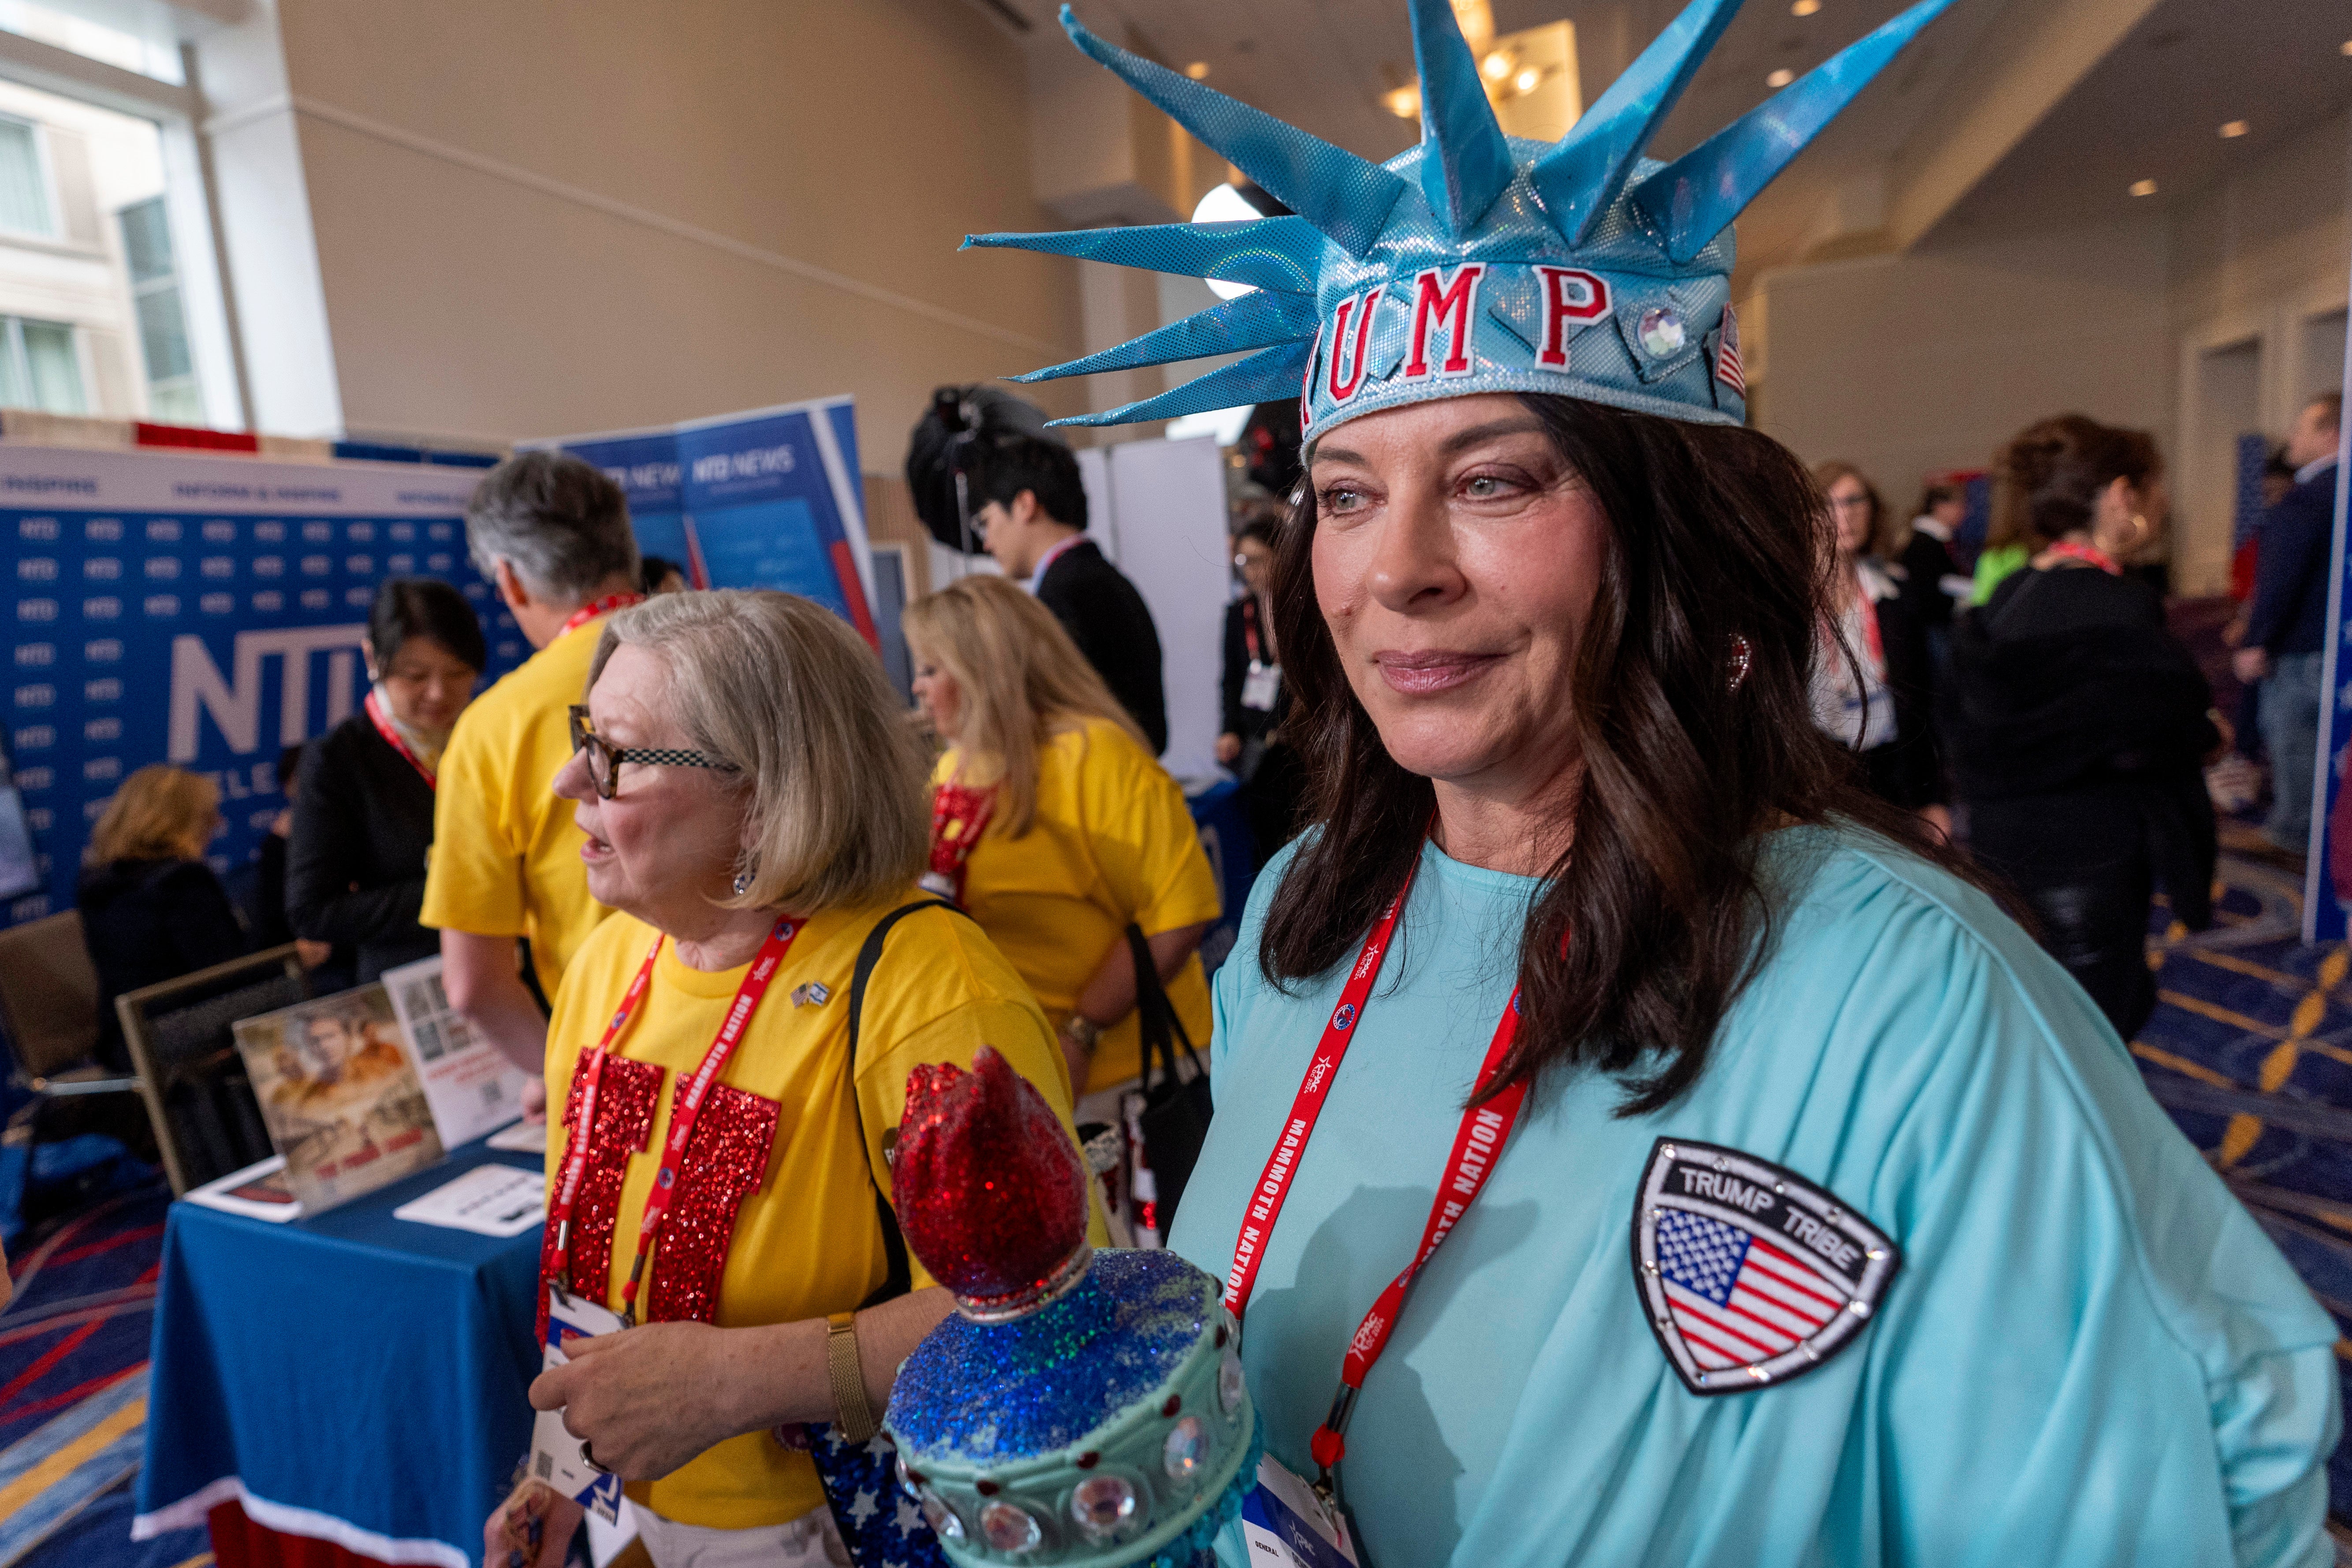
(768, 499)
(200, 610)
(339, 1095)
(471, 1086)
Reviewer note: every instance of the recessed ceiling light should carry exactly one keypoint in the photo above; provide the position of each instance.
(2143, 187)
(1527, 79)
(1780, 78)
(1804, 8)
(1197, 69)
(1496, 66)
(1404, 102)
(2231, 129)
(2347, 48)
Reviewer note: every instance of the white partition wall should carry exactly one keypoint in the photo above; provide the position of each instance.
(1164, 523)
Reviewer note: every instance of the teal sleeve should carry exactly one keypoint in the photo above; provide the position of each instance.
(2094, 1353)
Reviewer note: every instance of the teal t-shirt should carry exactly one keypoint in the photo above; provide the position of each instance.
(2090, 1353)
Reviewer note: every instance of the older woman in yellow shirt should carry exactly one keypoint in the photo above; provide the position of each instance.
(1058, 828)
(753, 807)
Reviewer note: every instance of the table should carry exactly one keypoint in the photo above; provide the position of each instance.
(355, 1380)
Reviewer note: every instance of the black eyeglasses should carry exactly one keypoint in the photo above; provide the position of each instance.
(604, 758)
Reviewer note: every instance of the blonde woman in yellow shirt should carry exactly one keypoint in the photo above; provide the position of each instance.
(1054, 825)
(749, 803)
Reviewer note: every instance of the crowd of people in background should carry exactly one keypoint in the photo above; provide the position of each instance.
(2041, 691)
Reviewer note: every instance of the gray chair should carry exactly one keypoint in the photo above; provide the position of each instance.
(199, 1100)
(49, 1004)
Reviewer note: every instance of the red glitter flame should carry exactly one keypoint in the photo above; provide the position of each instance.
(989, 1188)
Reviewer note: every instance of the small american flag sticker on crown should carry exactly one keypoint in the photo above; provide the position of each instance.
(1727, 354)
(1749, 1273)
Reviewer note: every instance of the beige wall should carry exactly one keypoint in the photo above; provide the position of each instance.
(2215, 317)
(540, 218)
(2258, 267)
(1912, 364)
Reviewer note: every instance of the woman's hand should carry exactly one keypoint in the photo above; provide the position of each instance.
(619, 1394)
(1229, 746)
(312, 954)
(531, 1529)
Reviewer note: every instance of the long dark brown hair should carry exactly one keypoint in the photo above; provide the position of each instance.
(1716, 535)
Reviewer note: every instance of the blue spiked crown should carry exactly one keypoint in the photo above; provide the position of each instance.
(1473, 262)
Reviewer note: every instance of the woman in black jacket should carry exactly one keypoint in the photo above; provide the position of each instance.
(364, 813)
(2084, 724)
(150, 908)
(1250, 741)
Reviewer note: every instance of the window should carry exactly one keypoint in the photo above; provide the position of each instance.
(24, 185)
(172, 395)
(41, 367)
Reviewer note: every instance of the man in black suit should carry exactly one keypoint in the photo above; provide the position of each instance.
(2287, 628)
(1031, 509)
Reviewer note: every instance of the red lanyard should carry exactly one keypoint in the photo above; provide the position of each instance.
(1477, 1144)
(959, 814)
(686, 1105)
(604, 607)
(1249, 629)
(2090, 553)
(384, 726)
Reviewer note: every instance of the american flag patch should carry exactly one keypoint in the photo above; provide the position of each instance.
(1750, 1274)
(1727, 354)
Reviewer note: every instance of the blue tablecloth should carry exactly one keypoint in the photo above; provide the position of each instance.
(351, 1377)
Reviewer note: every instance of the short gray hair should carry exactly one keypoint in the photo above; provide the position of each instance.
(561, 523)
(777, 688)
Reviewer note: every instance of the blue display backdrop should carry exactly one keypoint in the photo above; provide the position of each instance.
(2324, 901)
(205, 611)
(769, 498)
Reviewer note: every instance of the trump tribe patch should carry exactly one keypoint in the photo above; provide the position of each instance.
(1750, 1275)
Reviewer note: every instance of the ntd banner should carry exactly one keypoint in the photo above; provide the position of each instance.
(765, 499)
(203, 611)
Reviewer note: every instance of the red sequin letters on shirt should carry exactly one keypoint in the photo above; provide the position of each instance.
(723, 1165)
(625, 1098)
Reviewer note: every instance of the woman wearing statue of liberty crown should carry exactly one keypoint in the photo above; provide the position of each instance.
(1634, 1144)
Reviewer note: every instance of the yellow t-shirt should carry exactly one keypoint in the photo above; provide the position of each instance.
(805, 1241)
(506, 853)
(1113, 843)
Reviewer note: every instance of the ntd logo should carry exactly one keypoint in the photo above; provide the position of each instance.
(235, 704)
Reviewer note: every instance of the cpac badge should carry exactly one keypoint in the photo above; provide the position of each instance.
(1750, 1274)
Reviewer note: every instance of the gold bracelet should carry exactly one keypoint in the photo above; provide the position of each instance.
(852, 1414)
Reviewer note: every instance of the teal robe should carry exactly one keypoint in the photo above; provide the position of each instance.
(2090, 1354)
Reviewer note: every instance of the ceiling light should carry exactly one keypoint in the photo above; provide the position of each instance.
(1804, 8)
(1497, 66)
(2347, 48)
(2233, 129)
(2143, 187)
(1527, 79)
(1197, 69)
(1780, 78)
(1404, 102)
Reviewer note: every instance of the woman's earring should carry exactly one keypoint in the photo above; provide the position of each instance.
(743, 882)
(1742, 656)
(2140, 529)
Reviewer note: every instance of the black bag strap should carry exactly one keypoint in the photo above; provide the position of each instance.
(1157, 1023)
(902, 1278)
